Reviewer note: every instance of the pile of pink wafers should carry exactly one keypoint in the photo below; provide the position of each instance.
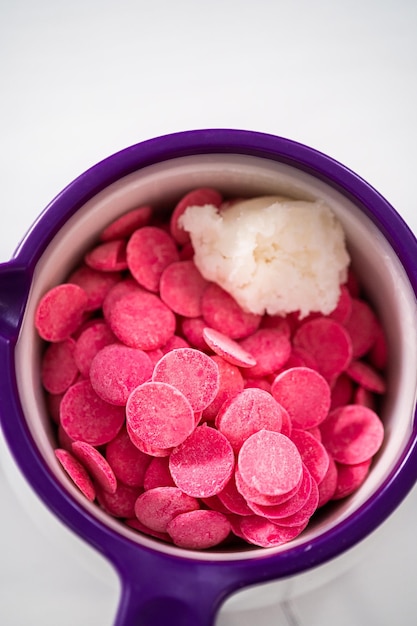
(191, 420)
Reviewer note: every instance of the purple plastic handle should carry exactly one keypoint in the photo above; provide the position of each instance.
(160, 588)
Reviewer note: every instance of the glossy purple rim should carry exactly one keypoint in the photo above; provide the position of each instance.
(220, 577)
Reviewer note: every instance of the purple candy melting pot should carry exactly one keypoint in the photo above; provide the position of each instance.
(163, 584)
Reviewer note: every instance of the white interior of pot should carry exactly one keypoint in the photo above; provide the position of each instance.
(161, 185)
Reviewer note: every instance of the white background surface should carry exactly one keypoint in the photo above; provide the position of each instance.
(83, 79)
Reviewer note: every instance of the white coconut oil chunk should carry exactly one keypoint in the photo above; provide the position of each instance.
(273, 255)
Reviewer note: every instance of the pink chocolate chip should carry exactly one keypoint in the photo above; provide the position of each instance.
(157, 507)
(60, 312)
(304, 393)
(203, 464)
(86, 417)
(117, 369)
(159, 414)
(199, 530)
(194, 373)
(149, 251)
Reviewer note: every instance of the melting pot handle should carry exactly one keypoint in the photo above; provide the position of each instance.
(158, 590)
(15, 282)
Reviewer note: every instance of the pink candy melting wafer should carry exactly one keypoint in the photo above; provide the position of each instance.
(127, 223)
(59, 369)
(329, 344)
(96, 284)
(290, 506)
(225, 347)
(270, 347)
(123, 288)
(137, 525)
(203, 464)
(121, 503)
(305, 394)
(196, 197)
(127, 462)
(221, 312)
(60, 312)
(90, 341)
(362, 326)
(96, 465)
(159, 414)
(352, 434)
(77, 472)
(264, 533)
(145, 447)
(350, 478)
(117, 369)
(181, 288)
(254, 495)
(366, 376)
(108, 257)
(157, 474)
(302, 516)
(157, 507)
(327, 487)
(230, 384)
(86, 417)
(192, 328)
(313, 453)
(199, 530)
(149, 251)
(233, 500)
(141, 320)
(194, 373)
(270, 462)
(248, 412)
